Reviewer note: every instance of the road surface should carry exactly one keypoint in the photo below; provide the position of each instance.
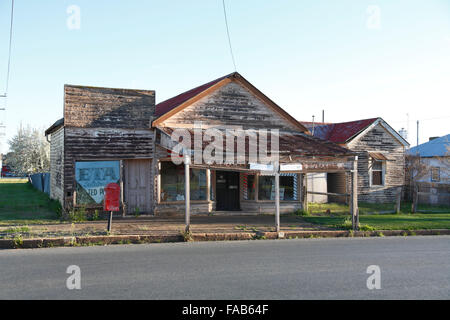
(410, 268)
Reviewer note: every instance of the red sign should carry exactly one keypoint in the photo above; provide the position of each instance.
(112, 197)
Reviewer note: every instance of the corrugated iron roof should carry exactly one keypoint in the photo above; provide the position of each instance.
(290, 143)
(339, 132)
(169, 104)
(435, 148)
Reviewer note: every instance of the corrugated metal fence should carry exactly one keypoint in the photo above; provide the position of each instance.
(41, 181)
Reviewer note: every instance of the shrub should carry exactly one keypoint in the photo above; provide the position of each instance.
(347, 224)
(18, 241)
(77, 215)
(94, 216)
(366, 227)
(301, 212)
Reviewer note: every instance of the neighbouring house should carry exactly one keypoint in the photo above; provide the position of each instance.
(121, 136)
(431, 161)
(381, 160)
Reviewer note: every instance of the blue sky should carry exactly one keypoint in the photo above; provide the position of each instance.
(305, 55)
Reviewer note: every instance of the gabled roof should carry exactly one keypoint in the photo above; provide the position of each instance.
(344, 132)
(173, 105)
(435, 148)
(169, 104)
(339, 132)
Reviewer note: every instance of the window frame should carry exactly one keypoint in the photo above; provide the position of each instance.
(160, 186)
(382, 172)
(438, 174)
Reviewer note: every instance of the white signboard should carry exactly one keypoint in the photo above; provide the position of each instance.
(291, 167)
(261, 167)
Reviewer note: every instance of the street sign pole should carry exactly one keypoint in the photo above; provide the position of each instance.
(110, 221)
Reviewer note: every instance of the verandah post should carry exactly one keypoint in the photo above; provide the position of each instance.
(187, 190)
(277, 196)
(354, 202)
(305, 192)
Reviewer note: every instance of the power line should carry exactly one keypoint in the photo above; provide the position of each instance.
(228, 34)
(10, 46)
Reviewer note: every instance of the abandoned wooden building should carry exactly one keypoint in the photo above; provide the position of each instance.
(381, 159)
(119, 135)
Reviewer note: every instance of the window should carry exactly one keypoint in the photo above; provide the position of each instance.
(288, 187)
(377, 173)
(172, 182)
(435, 174)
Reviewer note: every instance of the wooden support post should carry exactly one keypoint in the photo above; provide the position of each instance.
(305, 193)
(187, 192)
(208, 184)
(354, 200)
(277, 196)
(256, 187)
(300, 188)
(208, 188)
(399, 200)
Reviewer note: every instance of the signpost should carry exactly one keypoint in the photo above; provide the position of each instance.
(112, 201)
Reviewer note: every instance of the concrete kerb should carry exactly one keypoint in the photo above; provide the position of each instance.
(138, 239)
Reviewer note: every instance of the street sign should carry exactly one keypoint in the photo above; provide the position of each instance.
(261, 167)
(291, 167)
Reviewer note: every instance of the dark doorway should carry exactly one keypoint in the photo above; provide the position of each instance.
(227, 189)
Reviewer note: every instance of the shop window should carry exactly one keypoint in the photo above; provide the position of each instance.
(288, 187)
(172, 183)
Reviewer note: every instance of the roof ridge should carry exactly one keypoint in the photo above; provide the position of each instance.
(178, 99)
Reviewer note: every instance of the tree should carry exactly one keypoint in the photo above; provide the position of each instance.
(29, 151)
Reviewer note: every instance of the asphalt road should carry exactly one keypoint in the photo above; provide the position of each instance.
(411, 268)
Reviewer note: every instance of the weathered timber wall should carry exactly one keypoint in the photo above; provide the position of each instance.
(91, 107)
(379, 139)
(178, 208)
(103, 144)
(57, 165)
(231, 105)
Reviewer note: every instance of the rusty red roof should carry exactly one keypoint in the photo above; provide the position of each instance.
(339, 132)
(169, 104)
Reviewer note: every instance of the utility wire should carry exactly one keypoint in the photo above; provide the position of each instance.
(10, 46)
(228, 34)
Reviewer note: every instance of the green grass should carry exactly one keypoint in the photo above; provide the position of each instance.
(21, 204)
(387, 221)
(365, 208)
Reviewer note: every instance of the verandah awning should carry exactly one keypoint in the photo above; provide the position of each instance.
(313, 154)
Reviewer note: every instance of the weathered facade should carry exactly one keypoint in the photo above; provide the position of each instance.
(381, 158)
(99, 124)
(116, 135)
(429, 170)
